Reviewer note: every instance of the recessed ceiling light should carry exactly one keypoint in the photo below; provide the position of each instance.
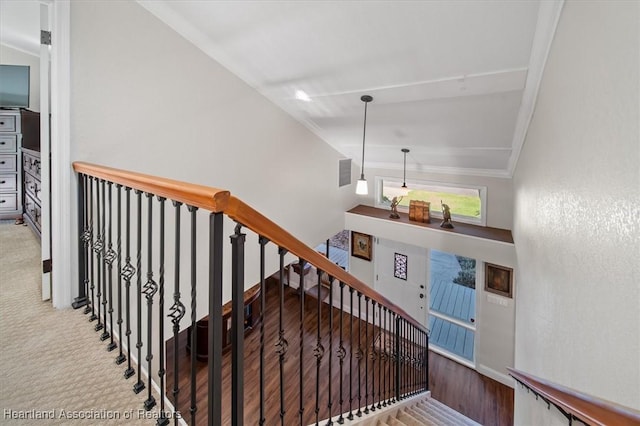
(301, 95)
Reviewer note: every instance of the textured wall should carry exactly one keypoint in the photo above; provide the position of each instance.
(577, 213)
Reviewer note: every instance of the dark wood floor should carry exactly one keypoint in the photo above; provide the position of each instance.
(476, 396)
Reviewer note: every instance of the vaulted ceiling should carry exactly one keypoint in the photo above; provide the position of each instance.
(453, 81)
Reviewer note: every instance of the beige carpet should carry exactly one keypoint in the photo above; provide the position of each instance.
(52, 359)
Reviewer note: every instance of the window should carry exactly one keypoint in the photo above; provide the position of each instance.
(467, 202)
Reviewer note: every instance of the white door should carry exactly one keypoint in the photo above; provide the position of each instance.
(401, 276)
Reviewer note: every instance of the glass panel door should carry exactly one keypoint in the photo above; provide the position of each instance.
(452, 303)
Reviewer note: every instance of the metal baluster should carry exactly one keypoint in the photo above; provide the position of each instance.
(366, 354)
(385, 353)
(90, 245)
(396, 358)
(330, 403)
(162, 419)
(105, 334)
(282, 344)
(302, 264)
(263, 297)
(139, 386)
(109, 258)
(177, 310)
(150, 289)
(127, 273)
(81, 300)
(318, 351)
(97, 248)
(341, 351)
(214, 391)
(86, 237)
(120, 358)
(359, 355)
(380, 355)
(194, 332)
(373, 357)
(237, 326)
(351, 352)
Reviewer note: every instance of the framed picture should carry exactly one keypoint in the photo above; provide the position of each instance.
(498, 280)
(361, 245)
(400, 266)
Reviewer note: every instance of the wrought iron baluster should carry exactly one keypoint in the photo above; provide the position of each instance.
(351, 352)
(282, 344)
(97, 248)
(359, 355)
(373, 357)
(105, 333)
(263, 297)
(214, 391)
(150, 289)
(139, 386)
(194, 335)
(341, 351)
(237, 326)
(330, 403)
(86, 237)
(127, 273)
(90, 246)
(177, 310)
(396, 357)
(318, 351)
(385, 355)
(380, 355)
(302, 264)
(366, 354)
(110, 256)
(162, 419)
(81, 300)
(120, 358)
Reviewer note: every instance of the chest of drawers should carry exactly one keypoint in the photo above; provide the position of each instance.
(32, 187)
(10, 165)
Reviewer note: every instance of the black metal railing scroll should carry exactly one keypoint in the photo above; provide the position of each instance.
(354, 352)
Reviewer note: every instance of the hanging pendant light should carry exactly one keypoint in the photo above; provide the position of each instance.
(404, 174)
(361, 187)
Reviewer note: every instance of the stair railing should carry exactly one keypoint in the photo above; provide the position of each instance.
(377, 353)
(576, 405)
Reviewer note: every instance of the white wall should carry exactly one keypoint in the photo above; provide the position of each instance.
(145, 99)
(499, 191)
(577, 212)
(11, 56)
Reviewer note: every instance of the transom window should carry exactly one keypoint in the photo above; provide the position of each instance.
(466, 202)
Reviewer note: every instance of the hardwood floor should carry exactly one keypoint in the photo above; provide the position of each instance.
(449, 382)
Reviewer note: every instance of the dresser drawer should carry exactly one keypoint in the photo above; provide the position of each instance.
(32, 186)
(33, 211)
(31, 164)
(8, 202)
(8, 183)
(7, 123)
(8, 143)
(8, 163)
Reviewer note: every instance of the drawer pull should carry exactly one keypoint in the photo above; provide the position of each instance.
(3, 143)
(2, 162)
(1, 123)
(4, 181)
(3, 201)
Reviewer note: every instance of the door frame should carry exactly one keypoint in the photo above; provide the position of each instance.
(62, 231)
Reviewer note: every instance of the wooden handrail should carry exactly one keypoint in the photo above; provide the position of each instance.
(252, 219)
(205, 197)
(220, 201)
(586, 408)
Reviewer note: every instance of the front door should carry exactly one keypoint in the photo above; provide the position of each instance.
(401, 276)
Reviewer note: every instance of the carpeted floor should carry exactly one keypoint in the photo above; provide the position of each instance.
(52, 363)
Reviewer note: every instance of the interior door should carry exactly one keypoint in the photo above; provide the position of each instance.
(401, 276)
(45, 196)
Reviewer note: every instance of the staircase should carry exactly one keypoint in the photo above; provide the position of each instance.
(418, 411)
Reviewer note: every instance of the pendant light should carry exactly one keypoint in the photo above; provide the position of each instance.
(361, 187)
(404, 174)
